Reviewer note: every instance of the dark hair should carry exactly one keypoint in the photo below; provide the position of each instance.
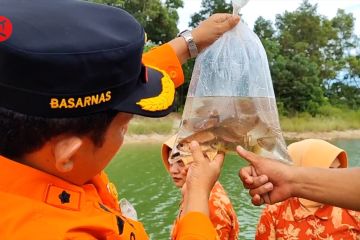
(21, 134)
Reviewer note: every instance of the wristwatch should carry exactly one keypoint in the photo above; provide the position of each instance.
(186, 34)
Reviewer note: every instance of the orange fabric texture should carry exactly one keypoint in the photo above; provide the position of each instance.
(73, 212)
(164, 57)
(222, 215)
(36, 205)
(194, 226)
(290, 220)
(298, 218)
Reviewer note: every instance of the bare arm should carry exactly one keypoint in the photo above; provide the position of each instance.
(202, 174)
(338, 187)
(205, 34)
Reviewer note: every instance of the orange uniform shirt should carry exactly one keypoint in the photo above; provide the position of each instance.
(36, 205)
(222, 215)
(290, 220)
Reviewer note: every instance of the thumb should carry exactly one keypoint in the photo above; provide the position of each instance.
(252, 158)
(196, 152)
(230, 23)
(219, 160)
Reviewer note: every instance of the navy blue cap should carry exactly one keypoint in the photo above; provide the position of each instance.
(68, 58)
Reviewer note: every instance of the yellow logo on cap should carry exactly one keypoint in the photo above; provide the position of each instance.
(164, 100)
(80, 102)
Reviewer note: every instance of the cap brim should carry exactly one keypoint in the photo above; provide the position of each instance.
(156, 92)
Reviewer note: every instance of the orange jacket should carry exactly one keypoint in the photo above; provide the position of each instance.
(36, 205)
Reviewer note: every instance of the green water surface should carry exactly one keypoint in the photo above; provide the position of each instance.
(140, 177)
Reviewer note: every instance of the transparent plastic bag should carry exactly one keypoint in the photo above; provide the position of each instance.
(127, 209)
(238, 5)
(231, 100)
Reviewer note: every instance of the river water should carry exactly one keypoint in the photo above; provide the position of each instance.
(139, 174)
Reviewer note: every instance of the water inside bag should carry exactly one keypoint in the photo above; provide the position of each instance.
(222, 123)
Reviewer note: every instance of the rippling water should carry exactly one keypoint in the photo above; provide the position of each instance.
(141, 178)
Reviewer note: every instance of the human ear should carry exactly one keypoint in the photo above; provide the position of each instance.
(64, 150)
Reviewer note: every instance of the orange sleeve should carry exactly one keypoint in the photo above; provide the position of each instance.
(164, 57)
(266, 227)
(222, 214)
(195, 226)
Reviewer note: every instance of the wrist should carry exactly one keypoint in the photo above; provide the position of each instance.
(294, 181)
(197, 201)
(191, 44)
(179, 46)
(196, 33)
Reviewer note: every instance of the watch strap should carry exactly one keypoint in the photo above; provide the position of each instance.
(193, 50)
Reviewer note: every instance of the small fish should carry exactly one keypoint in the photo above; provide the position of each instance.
(197, 124)
(268, 142)
(240, 125)
(224, 146)
(223, 123)
(246, 106)
(202, 136)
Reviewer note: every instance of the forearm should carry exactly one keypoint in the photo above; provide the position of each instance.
(180, 48)
(338, 187)
(196, 202)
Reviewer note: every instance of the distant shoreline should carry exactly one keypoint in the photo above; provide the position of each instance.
(346, 134)
(328, 136)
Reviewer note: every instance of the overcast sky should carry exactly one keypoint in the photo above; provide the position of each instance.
(269, 8)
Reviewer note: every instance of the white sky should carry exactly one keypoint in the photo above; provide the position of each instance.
(269, 8)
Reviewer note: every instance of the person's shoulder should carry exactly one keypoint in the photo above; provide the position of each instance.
(354, 214)
(218, 192)
(218, 188)
(219, 199)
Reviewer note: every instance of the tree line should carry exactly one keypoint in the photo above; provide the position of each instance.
(314, 60)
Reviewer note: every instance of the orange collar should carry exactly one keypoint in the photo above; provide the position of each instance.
(29, 182)
(299, 212)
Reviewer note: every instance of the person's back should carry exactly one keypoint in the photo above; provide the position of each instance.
(298, 218)
(221, 211)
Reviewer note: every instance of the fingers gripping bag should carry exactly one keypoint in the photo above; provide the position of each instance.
(231, 100)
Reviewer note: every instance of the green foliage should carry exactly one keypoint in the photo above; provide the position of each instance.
(306, 52)
(341, 94)
(159, 19)
(264, 29)
(208, 8)
(329, 119)
(148, 46)
(328, 111)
